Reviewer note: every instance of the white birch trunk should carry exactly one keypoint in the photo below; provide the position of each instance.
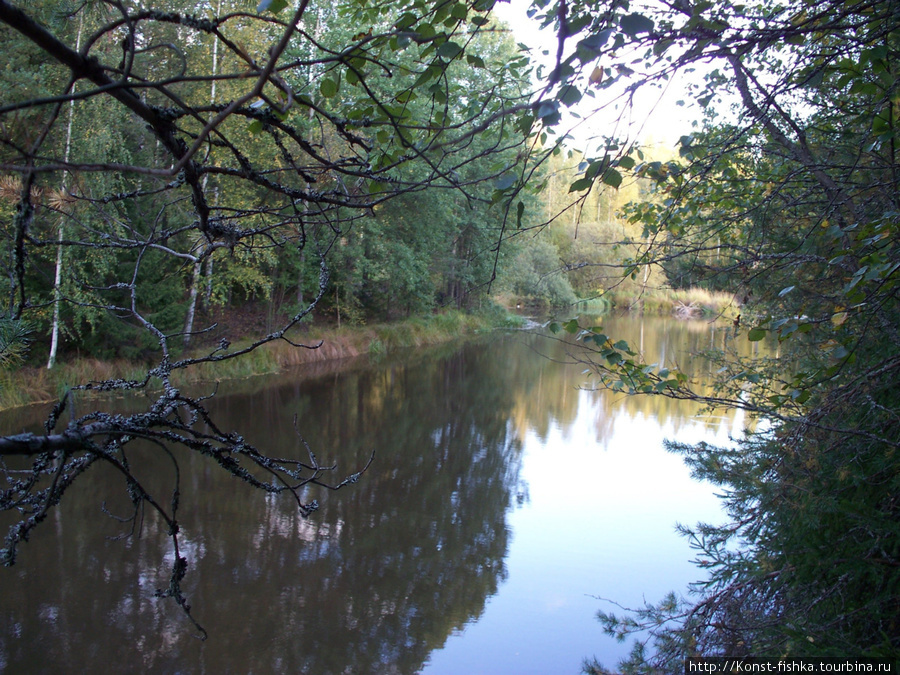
(57, 278)
(195, 276)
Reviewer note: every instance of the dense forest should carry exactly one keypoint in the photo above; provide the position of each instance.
(332, 141)
(394, 245)
(359, 160)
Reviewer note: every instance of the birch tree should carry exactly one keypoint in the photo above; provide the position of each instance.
(240, 156)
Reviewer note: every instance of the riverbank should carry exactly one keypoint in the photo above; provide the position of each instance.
(31, 385)
(686, 303)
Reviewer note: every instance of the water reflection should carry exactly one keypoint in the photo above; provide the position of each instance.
(480, 452)
(604, 498)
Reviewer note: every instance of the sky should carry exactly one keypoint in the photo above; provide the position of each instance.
(654, 120)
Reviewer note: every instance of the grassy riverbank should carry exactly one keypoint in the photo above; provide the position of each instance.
(689, 303)
(35, 384)
(31, 385)
(685, 303)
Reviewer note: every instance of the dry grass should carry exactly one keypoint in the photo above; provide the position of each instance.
(27, 386)
(683, 303)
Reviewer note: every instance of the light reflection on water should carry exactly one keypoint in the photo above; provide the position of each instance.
(598, 523)
(502, 501)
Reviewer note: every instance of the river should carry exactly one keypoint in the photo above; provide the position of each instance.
(506, 499)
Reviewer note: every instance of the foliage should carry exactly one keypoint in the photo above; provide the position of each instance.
(158, 162)
(14, 339)
(370, 158)
(788, 201)
(791, 205)
(535, 274)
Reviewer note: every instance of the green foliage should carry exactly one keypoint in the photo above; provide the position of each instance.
(536, 275)
(620, 367)
(164, 160)
(331, 144)
(371, 157)
(582, 223)
(791, 205)
(15, 336)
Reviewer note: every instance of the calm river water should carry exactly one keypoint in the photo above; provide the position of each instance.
(505, 500)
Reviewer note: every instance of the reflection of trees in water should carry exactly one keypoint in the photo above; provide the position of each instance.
(550, 396)
(546, 394)
(686, 345)
(373, 582)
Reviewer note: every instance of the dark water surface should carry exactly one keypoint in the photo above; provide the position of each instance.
(503, 500)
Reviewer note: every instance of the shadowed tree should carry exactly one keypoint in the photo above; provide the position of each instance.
(140, 144)
(787, 196)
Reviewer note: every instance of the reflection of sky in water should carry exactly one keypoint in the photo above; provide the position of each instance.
(599, 520)
(503, 499)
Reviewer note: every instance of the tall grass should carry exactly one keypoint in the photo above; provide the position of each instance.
(688, 302)
(26, 386)
(598, 305)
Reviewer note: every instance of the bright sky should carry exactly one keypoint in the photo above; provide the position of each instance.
(654, 120)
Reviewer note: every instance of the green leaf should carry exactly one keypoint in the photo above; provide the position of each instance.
(569, 95)
(581, 184)
(595, 42)
(425, 32)
(756, 334)
(406, 20)
(449, 50)
(547, 109)
(800, 395)
(525, 123)
(273, 6)
(328, 87)
(612, 178)
(594, 168)
(505, 181)
(632, 24)
(459, 11)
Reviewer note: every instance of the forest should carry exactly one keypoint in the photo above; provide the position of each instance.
(184, 185)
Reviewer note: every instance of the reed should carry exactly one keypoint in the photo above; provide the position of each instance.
(597, 305)
(27, 386)
(685, 303)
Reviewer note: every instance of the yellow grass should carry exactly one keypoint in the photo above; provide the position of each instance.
(686, 303)
(31, 385)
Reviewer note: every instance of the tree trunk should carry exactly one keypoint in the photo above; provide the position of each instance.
(195, 276)
(57, 279)
(192, 304)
